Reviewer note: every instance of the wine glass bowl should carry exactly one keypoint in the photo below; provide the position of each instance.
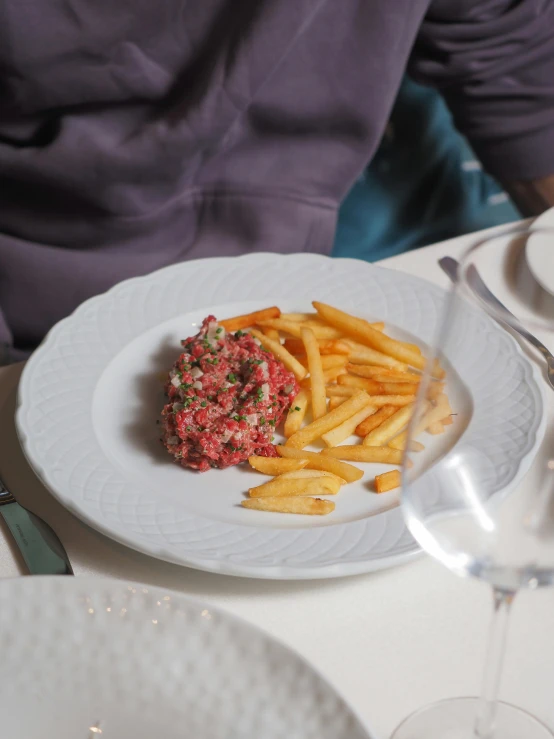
(483, 503)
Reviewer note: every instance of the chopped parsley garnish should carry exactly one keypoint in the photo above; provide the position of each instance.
(271, 422)
(219, 330)
(189, 428)
(203, 404)
(262, 420)
(232, 377)
(239, 333)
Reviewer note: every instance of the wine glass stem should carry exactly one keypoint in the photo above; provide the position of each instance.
(484, 725)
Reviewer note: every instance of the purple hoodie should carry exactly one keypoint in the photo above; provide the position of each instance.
(135, 134)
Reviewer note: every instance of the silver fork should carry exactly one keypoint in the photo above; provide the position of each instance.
(450, 267)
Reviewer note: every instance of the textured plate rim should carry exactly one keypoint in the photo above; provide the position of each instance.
(271, 572)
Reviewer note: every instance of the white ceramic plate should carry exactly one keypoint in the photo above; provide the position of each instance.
(90, 396)
(539, 252)
(135, 662)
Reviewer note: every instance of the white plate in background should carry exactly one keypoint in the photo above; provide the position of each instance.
(539, 252)
(138, 663)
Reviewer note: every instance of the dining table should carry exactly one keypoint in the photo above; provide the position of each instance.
(389, 641)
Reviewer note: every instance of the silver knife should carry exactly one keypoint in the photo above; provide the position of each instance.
(40, 547)
(450, 267)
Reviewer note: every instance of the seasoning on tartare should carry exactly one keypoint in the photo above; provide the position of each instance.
(225, 397)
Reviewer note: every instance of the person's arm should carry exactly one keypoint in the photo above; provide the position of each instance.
(533, 197)
(493, 61)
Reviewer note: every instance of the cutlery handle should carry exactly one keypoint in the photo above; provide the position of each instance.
(450, 267)
(474, 279)
(40, 547)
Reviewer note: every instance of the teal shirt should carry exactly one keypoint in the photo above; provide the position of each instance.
(423, 185)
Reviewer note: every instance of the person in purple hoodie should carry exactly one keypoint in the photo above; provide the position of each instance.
(136, 134)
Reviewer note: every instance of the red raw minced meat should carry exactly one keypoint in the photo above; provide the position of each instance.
(225, 395)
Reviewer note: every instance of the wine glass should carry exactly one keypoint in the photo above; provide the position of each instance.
(480, 495)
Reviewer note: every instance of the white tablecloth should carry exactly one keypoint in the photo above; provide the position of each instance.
(390, 642)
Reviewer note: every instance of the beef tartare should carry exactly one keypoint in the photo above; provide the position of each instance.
(226, 394)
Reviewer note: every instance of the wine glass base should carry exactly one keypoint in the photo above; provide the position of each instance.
(455, 719)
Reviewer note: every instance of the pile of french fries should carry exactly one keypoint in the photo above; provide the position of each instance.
(357, 381)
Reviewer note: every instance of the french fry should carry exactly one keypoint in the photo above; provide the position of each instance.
(329, 375)
(398, 400)
(399, 388)
(387, 481)
(399, 442)
(330, 420)
(360, 453)
(411, 347)
(302, 474)
(436, 428)
(249, 319)
(414, 446)
(333, 346)
(281, 353)
(276, 465)
(297, 412)
(362, 331)
(317, 381)
(337, 435)
(326, 346)
(382, 374)
(316, 321)
(272, 334)
(294, 328)
(448, 421)
(436, 413)
(305, 506)
(341, 391)
(334, 402)
(434, 390)
(377, 388)
(360, 354)
(370, 386)
(279, 487)
(318, 462)
(328, 361)
(344, 391)
(373, 422)
(298, 316)
(390, 428)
